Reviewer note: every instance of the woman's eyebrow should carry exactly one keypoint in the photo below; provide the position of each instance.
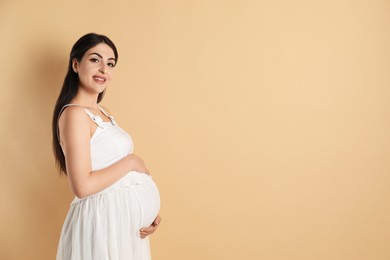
(95, 53)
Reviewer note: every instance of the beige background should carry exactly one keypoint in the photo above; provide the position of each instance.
(264, 123)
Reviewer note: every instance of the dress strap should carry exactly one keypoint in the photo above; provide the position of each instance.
(107, 115)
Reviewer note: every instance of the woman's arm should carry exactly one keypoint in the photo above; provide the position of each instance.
(75, 133)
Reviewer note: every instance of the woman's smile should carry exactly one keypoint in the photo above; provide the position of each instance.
(100, 79)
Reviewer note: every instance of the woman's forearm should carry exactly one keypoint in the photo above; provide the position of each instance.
(98, 180)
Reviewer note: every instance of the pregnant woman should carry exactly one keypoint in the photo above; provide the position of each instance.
(117, 203)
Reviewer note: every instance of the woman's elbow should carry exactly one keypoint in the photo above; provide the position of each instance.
(80, 187)
(81, 192)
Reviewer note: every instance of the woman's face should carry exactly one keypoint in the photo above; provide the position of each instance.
(96, 68)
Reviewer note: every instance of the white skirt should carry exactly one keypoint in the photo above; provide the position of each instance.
(105, 225)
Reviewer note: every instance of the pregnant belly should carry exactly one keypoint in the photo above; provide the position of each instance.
(145, 195)
(134, 198)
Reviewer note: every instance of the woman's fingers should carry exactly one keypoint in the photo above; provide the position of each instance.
(144, 232)
(147, 231)
(157, 220)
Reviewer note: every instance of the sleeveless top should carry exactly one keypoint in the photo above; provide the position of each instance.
(109, 143)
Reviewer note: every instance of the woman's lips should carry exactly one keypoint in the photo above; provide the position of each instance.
(99, 79)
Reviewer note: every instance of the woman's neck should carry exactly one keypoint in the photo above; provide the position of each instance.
(85, 100)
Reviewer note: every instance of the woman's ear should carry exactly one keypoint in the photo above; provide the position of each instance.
(75, 65)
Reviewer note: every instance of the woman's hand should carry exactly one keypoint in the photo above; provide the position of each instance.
(144, 232)
(137, 164)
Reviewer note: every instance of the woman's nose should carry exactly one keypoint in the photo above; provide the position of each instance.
(102, 68)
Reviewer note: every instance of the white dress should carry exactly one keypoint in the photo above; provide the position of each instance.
(105, 225)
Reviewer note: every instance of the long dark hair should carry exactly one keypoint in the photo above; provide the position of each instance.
(70, 87)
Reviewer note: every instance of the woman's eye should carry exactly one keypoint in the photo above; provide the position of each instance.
(94, 60)
(111, 64)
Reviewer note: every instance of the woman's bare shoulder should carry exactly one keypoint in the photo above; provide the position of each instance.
(73, 126)
(72, 113)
